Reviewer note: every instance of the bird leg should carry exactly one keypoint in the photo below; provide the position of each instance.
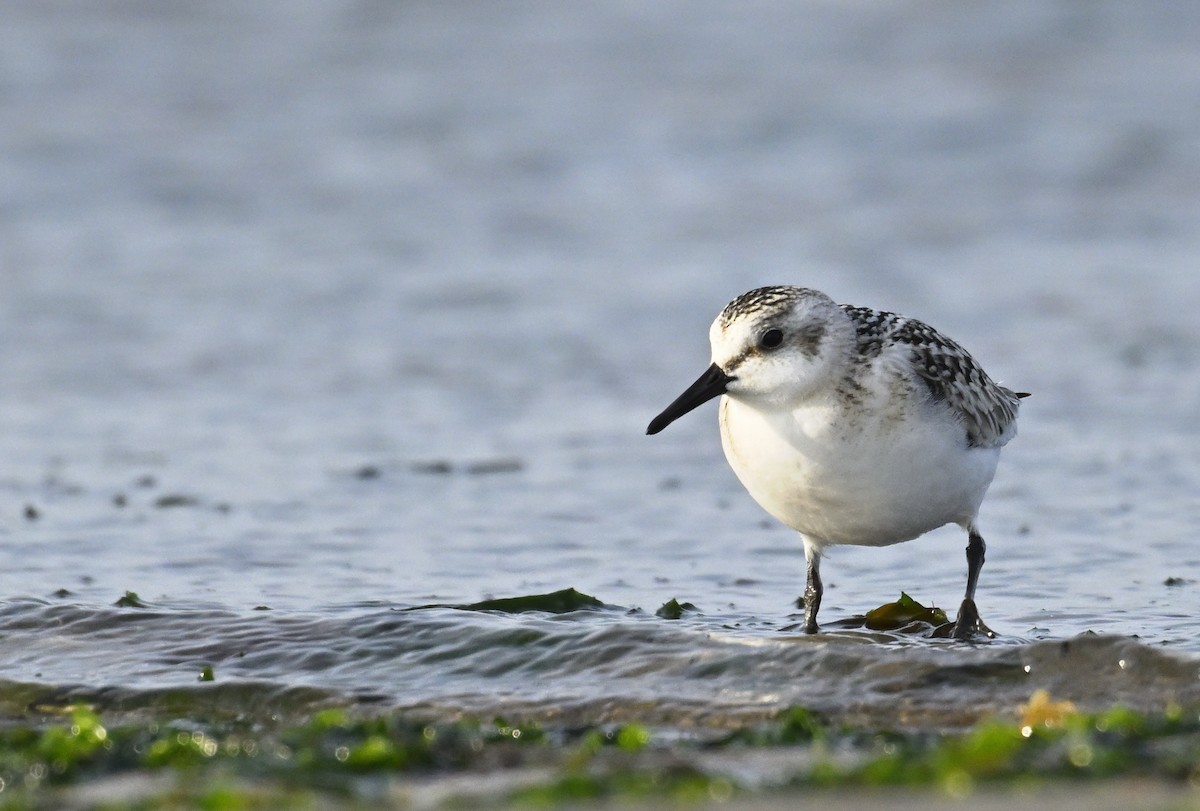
(968, 622)
(812, 590)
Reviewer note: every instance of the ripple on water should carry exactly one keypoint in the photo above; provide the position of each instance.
(581, 666)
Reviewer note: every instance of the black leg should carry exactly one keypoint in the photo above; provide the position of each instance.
(969, 622)
(812, 591)
(975, 552)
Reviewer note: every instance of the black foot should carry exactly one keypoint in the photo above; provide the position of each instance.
(810, 627)
(969, 625)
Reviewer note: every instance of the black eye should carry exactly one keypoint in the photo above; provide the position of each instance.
(771, 338)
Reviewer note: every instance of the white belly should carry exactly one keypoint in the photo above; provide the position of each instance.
(861, 482)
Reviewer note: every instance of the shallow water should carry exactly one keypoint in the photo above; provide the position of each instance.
(343, 309)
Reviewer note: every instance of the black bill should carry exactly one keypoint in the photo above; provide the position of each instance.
(711, 384)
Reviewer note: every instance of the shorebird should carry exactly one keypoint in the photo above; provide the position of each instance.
(853, 426)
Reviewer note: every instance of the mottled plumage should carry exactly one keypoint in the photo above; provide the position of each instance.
(988, 410)
(853, 425)
(762, 299)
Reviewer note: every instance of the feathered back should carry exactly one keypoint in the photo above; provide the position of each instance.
(988, 411)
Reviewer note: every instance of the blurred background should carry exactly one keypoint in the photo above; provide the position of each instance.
(312, 302)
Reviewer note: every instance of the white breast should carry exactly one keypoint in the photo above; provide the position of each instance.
(869, 479)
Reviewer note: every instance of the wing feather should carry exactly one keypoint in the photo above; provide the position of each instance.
(988, 411)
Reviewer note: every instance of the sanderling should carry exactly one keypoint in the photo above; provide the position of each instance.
(852, 425)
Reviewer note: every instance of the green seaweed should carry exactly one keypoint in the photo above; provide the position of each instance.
(673, 609)
(801, 725)
(563, 601)
(680, 783)
(130, 599)
(324, 759)
(904, 611)
(796, 725)
(633, 737)
(556, 602)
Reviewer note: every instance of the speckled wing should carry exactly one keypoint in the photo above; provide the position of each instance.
(988, 410)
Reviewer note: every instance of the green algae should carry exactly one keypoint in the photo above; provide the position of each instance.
(562, 601)
(556, 602)
(905, 611)
(130, 599)
(673, 609)
(322, 760)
